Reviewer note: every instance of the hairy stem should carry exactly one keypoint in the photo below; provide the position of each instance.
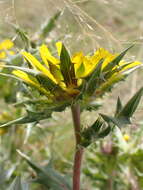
(79, 150)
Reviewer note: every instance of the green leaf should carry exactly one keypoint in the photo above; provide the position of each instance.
(93, 80)
(123, 114)
(23, 35)
(46, 82)
(35, 116)
(32, 72)
(66, 66)
(49, 25)
(109, 74)
(116, 121)
(48, 176)
(105, 132)
(50, 86)
(118, 106)
(116, 60)
(131, 106)
(80, 70)
(29, 118)
(91, 133)
(96, 126)
(55, 71)
(106, 86)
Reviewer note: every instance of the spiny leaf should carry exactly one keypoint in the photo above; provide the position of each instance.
(91, 133)
(55, 71)
(37, 116)
(116, 121)
(66, 65)
(118, 106)
(116, 61)
(48, 176)
(96, 126)
(29, 118)
(131, 105)
(33, 101)
(105, 132)
(106, 86)
(114, 71)
(24, 69)
(46, 82)
(124, 114)
(94, 79)
(23, 35)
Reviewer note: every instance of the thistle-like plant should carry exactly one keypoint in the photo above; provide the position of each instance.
(73, 81)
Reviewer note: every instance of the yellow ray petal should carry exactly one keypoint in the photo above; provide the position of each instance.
(77, 60)
(86, 67)
(129, 66)
(101, 53)
(90, 62)
(48, 56)
(79, 82)
(11, 53)
(6, 44)
(59, 47)
(36, 64)
(2, 55)
(25, 77)
(44, 52)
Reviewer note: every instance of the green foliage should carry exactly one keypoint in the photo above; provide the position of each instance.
(23, 36)
(124, 114)
(100, 129)
(49, 25)
(94, 80)
(116, 162)
(97, 130)
(116, 61)
(48, 176)
(34, 116)
(131, 105)
(66, 66)
(118, 106)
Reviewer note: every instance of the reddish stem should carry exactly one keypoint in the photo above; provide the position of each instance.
(79, 150)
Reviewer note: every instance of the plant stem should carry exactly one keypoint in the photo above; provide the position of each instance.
(79, 150)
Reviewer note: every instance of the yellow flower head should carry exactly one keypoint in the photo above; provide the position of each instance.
(65, 77)
(4, 46)
(126, 137)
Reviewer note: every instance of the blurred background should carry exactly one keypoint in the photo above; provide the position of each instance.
(83, 25)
